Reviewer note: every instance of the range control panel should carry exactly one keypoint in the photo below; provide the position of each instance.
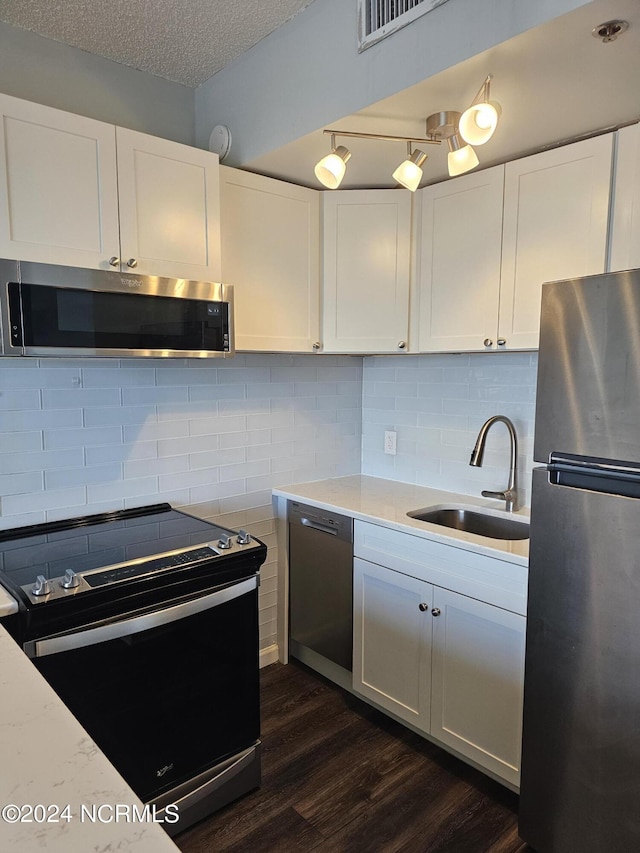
(47, 589)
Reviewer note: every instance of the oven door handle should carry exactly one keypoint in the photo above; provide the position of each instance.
(127, 627)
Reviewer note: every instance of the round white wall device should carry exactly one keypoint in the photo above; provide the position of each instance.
(220, 141)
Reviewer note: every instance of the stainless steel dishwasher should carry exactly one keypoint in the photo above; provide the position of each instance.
(321, 590)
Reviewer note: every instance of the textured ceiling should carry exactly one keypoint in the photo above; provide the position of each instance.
(186, 41)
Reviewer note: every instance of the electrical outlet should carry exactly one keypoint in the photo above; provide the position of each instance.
(390, 438)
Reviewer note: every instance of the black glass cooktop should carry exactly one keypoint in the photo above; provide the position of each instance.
(97, 541)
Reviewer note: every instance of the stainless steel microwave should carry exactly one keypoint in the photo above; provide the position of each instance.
(50, 310)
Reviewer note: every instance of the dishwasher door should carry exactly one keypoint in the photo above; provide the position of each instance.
(321, 584)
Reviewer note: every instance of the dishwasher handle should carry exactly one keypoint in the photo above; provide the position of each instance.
(315, 518)
(318, 525)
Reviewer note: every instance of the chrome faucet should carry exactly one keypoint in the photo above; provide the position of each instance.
(510, 494)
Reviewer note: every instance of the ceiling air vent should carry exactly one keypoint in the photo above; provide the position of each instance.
(379, 18)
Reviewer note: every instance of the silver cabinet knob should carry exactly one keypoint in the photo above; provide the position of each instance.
(501, 342)
(114, 261)
(70, 580)
(317, 345)
(224, 542)
(132, 263)
(243, 537)
(435, 611)
(423, 606)
(42, 586)
(488, 342)
(402, 344)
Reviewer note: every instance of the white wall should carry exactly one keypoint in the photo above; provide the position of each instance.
(437, 404)
(309, 73)
(51, 73)
(84, 436)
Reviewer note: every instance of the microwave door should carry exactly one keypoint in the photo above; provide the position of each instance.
(61, 320)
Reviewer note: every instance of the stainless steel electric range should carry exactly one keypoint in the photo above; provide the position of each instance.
(145, 622)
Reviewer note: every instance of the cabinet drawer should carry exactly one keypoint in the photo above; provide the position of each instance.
(484, 578)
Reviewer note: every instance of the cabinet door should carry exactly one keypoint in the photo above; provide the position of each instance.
(392, 641)
(270, 242)
(169, 199)
(555, 226)
(624, 251)
(58, 187)
(460, 248)
(366, 270)
(478, 680)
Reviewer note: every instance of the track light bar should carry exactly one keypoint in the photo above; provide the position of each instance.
(475, 126)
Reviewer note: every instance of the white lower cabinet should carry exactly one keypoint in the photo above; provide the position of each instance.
(449, 664)
(477, 681)
(392, 641)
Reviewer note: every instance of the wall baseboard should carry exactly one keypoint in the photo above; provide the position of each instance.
(269, 655)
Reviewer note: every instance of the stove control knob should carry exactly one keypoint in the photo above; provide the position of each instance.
(70, 580)
(243, 537)
(42, 586)
(224, 542)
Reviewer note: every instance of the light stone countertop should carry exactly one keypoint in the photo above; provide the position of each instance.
(386, 502)
(47, 758)
(8, 604)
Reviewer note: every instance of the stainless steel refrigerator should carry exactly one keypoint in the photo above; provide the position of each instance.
(580, 784)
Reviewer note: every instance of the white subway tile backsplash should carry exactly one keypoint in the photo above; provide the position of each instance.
(40, 460)
(16, 505)
(437, 429)
(63, 477)
(13, 399)
(62, 439)
(86, 435)
(21, 484)
(30, 419)
(118, 415)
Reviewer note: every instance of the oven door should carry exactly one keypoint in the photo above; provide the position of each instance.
(165, 694)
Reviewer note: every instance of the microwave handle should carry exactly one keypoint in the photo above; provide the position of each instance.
(127, 627)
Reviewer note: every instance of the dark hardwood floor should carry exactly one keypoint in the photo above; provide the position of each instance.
(339, 776)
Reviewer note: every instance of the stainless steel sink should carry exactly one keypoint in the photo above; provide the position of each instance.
(473, 521)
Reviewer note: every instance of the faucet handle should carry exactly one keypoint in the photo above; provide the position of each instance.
(510, 496)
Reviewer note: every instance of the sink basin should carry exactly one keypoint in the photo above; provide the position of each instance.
(473, 521)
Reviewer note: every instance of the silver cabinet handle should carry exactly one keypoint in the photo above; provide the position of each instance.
(402, 344)
(435, 611)
(423, 606)
(502, 342)
(317, 345)
(114, 261)
(132, 263)
(488, 342)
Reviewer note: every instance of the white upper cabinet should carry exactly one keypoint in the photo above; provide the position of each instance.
(169, 200)
(460, 242)
(366, 270)
(556, 207)
(624, 249)
(270, 234)
(58, 186)
(489, 240)
(84, 193)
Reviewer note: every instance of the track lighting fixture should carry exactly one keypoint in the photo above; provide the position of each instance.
(461, 158)
(409, 172)
(330, 170)
(479, 121)
(475, 126)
